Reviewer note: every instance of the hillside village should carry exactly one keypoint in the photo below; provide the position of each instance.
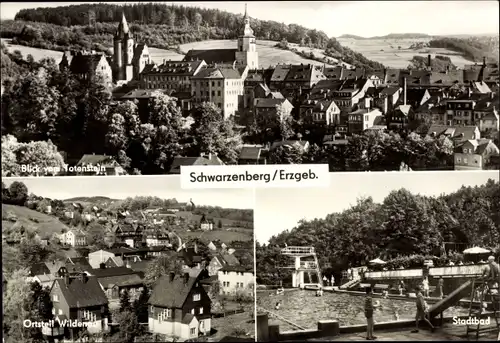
(287, 113)
(109, 259)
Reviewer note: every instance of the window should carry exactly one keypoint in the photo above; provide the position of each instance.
(166, 313)
(213, 93)
(192, 331)
(196, 297)
(218, 93)
(60, 312)
(213, 83)
(56, 298)
(218, 83)
(53, 310)
(192, 311)
(201, 310)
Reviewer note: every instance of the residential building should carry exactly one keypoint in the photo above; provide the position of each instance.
(460, 112)
(216, 246)
(180, 306)
(221, 85)
(345, 93)
(129, 58)
(129, 233)
(277, 82)
(235, 279)
(171, 75)
(203, 160)
(256, 86)
(253, 154)
(302, 77)
(303, 145)
(115, 280)
(206, 224)
(400, 117)
(46, 272)
(385, 98)
(457, 134)
(489, 121)
(475, 154)
(142, 98)
(221, 260)
(87, 66)
(325, 112)
(98, 165)
(245, 54)
(268, 108)
(156, 238)
(80, 299)
(96, 258)
(363, 119)
(74, 237)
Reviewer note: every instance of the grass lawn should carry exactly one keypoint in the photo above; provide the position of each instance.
(43, 223)
(37, 53)
(241, 324)
(224, 235)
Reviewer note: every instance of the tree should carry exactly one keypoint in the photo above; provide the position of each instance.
(10, 167)
(141, 306)
(213, 134)
(18, 193)
(160, 266)
(219, 224)
(41, 155)
(287, 154)
(125, 300)
(129, 326)
(198, 19)
(285, 122)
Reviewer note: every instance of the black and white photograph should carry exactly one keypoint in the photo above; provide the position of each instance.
(145, 88)
(380, 256)
(132, 259)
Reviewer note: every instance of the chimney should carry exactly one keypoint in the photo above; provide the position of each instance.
(404, 91)
(67, 280)
(186, 278)
(484, 61)
(171, 276)
(429, 61)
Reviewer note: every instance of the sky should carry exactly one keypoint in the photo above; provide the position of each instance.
(121, 187)
(363, 18)
(278, 209)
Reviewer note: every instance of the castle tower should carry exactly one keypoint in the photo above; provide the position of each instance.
(247, 50)
(123, 52)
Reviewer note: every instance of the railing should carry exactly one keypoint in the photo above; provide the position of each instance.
(395, 274)
(457, 271)
(298, 251)
(303, 265)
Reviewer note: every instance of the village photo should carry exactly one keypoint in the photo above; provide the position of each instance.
(132, 259)
(144, 88)
(380, 256)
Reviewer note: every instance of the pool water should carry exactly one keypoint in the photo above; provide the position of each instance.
(305, 309)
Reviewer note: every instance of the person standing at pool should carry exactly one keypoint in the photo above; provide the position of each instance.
(332, 280)
(401, 287)
(425, 285)
(369, 308)
(422, 310)
(440, 287)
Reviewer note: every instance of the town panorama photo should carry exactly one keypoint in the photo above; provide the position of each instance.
(145, 88)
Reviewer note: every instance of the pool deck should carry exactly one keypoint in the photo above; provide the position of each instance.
(449, 332)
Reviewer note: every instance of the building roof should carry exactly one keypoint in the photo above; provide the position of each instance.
(120, 281)
(391, 90)
(173, 294)
(142, 94)
(238, 268)
(268, 103)
(305, 72)
(211, 56)
(194, 161)
(228, 259)
(39, 269)
(108, 272)
(250, 152)
(93, 160)
(177, 68)
(80, 294)
(334, 73)
(139, 49)
(83, 64)
(453, 131)
(123, 29)
(280, 72)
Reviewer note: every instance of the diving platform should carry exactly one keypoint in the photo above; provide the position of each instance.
(309, 268)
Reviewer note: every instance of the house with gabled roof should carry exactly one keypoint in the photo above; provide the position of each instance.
(113, 281)
(457, 134)
(475, 154)
(129, 233)
(74, 237)
(221, 260)
(80, 298)
(179, 306)
(236, 279)
(92, 164)
(253, 154)
(202, 160)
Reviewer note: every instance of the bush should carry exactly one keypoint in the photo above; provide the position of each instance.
(417, 261)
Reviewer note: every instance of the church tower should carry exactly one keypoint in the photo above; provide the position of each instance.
(247, 54)
(123, 52)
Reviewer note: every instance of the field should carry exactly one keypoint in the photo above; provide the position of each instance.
(37, 53)
(268, 54)
(158, 55)
(224, 235)
(386, 51)
(28, 218)
(233, 324)
(305, 309)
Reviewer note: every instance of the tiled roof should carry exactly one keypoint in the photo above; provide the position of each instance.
(230, 73)
(193, 161)
(389, 90)
(120, 280)
(188, 318)
(230, 260)
(454, 131)
(173, 294)
(334, 73)
(83, 64)
(280, 72)
(138, 51)
(108, 272)
(276, 95)
(250, 152)
(80, 294)
(39, 269)
(55, 266)
(178, 68)
(211, 56)
(104, 160)
(237, 268)
(268, 103)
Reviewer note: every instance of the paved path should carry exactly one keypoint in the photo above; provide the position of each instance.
(447, 333)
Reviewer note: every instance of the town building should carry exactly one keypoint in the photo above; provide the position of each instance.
(96, 258)
(129, 233)
(475, 154)
(87, 66)
(92, 164)
(202, 160)
(115, 280)
(234, 279)
(363, 119)
(129, 58)
(74, 237)
(322, 112)
(206, 224)
(171, 75)
(302, 145)
(179, 306)
(268, 108)
(457, 134)
(221, 260)
(253, 154)
(245, 54)
(80, 299)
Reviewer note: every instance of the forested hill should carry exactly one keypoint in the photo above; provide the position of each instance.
(403, 224)
(159, 25)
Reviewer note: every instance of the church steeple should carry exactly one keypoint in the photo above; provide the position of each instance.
(247, 30)
(123, 29)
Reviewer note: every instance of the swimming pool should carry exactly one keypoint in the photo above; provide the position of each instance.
(305, 309)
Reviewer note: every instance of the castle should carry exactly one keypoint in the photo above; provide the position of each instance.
(129, 58)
